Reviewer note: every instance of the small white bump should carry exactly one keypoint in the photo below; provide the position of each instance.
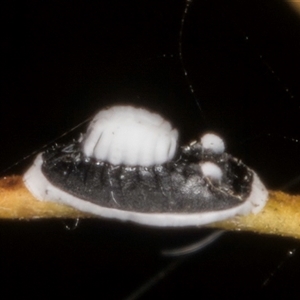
(211, 170)
(212, 142)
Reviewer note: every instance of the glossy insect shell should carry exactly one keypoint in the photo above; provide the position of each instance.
(168, 186)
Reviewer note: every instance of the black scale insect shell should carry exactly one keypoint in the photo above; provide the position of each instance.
(174, 187)
(128, 166)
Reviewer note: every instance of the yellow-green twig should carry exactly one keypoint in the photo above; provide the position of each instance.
(281, 215)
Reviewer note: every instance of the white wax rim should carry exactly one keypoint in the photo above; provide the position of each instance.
(43, 190)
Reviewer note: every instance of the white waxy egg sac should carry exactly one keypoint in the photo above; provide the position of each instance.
(130, 136)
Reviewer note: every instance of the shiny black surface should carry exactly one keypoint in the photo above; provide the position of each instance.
(177, 186)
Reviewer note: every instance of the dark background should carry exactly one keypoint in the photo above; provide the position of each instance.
(64, 60)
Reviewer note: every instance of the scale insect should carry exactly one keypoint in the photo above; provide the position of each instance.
(129, 166)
